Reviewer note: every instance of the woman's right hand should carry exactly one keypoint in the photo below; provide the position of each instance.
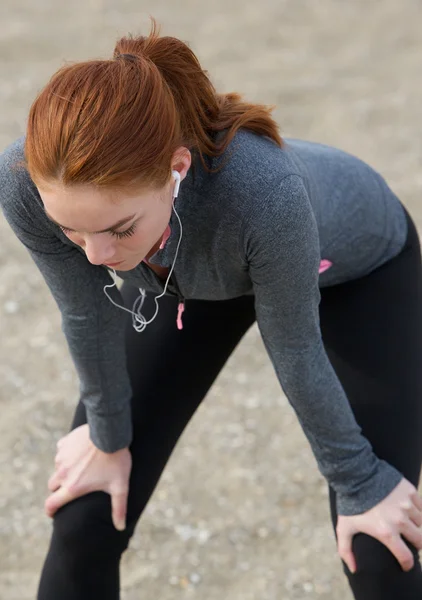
(399, 514)
(82, 468)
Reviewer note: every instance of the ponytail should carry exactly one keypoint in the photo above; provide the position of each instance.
(119, 121)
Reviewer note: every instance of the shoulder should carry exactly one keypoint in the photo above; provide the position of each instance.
(254, 162)
(282, 218)
(18, 193)
(249, 171)
(12, 163)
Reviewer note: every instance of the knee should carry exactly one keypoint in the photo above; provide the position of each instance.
(373, 558)
(84, 528)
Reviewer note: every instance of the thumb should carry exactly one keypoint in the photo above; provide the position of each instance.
(119, 509)
(344, 543)
(56, 500)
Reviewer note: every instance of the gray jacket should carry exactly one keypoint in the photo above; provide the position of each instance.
(261, 226)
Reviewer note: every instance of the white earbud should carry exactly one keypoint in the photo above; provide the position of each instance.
(176, 176)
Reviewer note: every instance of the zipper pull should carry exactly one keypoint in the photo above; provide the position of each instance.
(180, 311)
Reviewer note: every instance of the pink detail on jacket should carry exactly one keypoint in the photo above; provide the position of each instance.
(180, 311)
(166, 236)
(324, 265)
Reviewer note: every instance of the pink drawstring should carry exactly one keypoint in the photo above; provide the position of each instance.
(180, 311)
(324, 265)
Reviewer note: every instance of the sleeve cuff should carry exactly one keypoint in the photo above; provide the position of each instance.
(372, 493)
(111, 433)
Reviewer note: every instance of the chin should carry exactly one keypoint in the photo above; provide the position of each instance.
(128, 265)
(125, 266)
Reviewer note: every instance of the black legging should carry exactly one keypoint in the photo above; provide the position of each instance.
(372, 330)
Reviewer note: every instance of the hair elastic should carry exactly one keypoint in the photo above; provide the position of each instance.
(125, 55)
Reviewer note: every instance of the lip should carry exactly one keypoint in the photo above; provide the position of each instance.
(113, 264)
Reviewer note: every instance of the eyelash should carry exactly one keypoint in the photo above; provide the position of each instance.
(119, 234)
(127, 233)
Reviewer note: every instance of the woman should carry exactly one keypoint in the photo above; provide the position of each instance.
(136, 165)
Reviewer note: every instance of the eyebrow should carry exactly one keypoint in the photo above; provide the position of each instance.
(111, 228)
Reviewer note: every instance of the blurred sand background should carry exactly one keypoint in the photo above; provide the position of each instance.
(241, 511)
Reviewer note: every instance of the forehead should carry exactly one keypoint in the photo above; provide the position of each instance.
(86, 194)
(89, 208)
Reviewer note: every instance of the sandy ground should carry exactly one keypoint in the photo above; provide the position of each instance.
(241, 511)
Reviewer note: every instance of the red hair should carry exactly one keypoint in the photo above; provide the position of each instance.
(118, 122)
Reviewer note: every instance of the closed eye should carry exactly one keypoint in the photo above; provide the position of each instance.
(119, 234)
(126, 233)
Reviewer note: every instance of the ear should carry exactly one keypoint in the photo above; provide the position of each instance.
(181, 161)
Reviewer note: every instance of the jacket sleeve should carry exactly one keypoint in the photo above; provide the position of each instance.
(281, 247)
(93, 327)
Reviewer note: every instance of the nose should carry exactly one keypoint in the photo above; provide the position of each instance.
(99, 250)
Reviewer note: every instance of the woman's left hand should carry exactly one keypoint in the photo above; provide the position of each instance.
(399, 514)
(82, 468)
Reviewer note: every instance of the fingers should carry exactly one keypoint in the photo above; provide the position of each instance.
(119, 509)
(413, 534)
(412, 512)
(62, 495)
(417, 500)
(344, 543)
(56, 479)
(56, 500)
(399, 549)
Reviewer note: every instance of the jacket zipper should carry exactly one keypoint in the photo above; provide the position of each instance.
(173, 282)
